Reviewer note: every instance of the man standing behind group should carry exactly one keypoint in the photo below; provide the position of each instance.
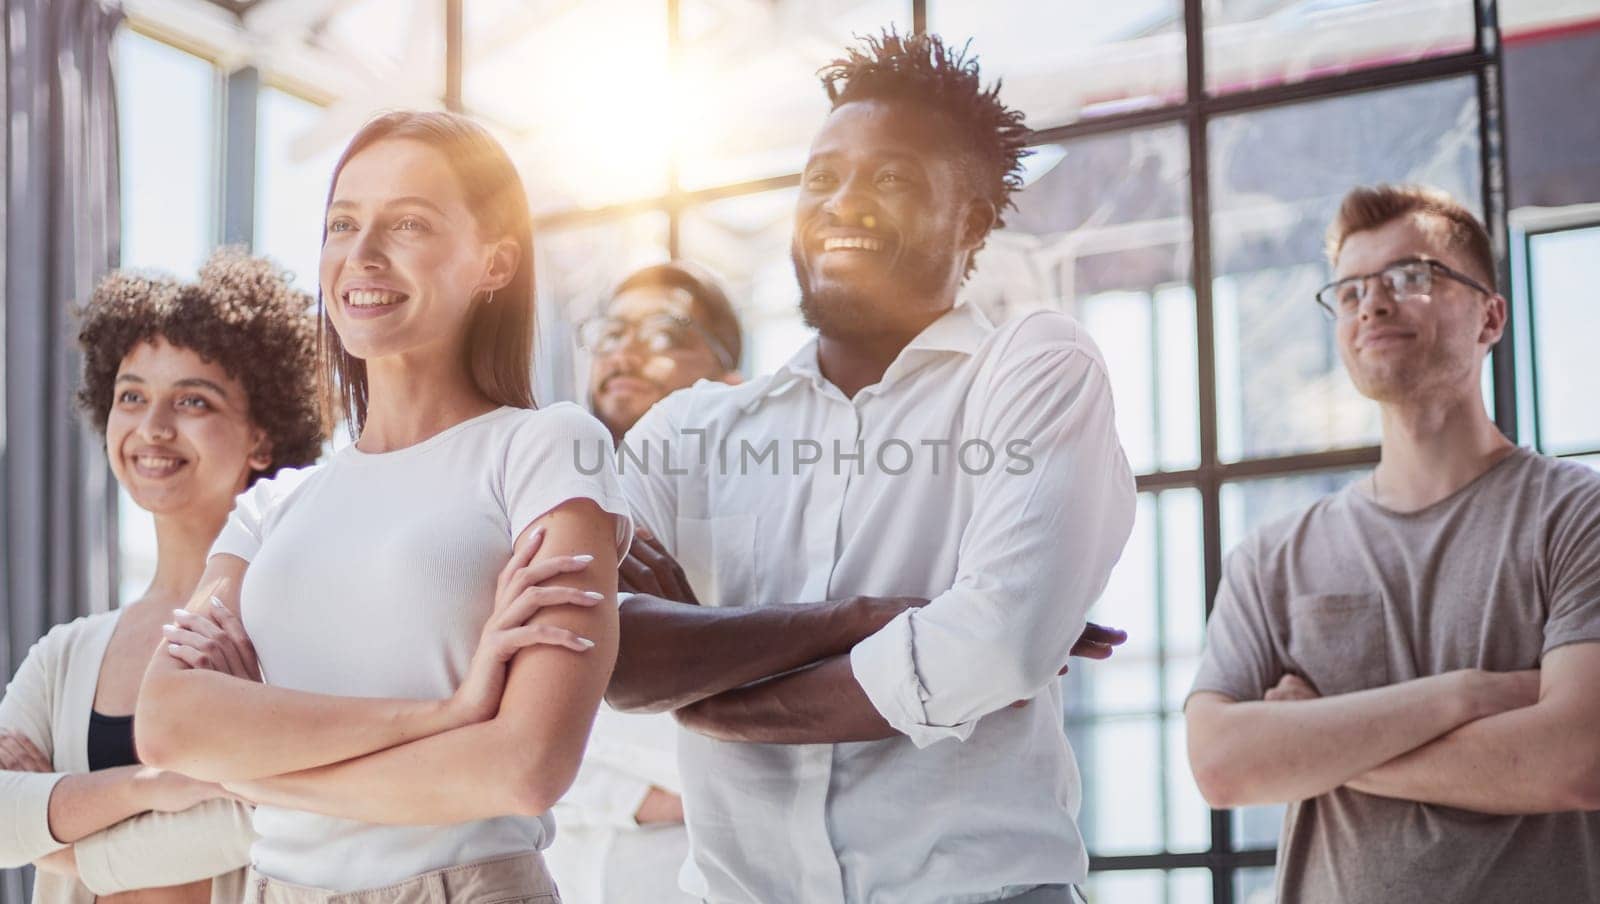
(951, 497)
(666, 327)
(621, 838)
(1411, 663)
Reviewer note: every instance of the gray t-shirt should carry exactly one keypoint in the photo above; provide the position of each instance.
(1350, 595)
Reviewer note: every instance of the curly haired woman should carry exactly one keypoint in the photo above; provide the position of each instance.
(200, 390)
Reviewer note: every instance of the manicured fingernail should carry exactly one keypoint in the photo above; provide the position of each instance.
(594, 594)
(169, 629)
(180, 613)
(587, 643)
(173, 648)
(585, 558)
(216, 602)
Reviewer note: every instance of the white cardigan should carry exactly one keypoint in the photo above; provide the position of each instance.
(48, 701)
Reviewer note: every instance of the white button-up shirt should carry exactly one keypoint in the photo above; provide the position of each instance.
(983, 472)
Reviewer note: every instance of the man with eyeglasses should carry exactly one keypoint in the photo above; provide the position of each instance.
(667, 327)
(1411, 664)
(622, 838)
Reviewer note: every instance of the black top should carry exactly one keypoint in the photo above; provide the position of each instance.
(110, 742)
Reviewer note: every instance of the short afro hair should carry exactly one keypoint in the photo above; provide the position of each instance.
(990, 138)
(241, 314)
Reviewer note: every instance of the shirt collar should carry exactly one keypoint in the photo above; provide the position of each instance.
(960, 330)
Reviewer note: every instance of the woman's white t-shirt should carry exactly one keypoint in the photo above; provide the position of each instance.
(372, 575)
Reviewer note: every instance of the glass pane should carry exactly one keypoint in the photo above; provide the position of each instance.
(1102, 231)
(1130, 681)
(1592, 461)
(1255, 44)
(1255, 885)
(1123, 713)
(1155, 595)
(166, 116)
(1182, 592)
(167, 123)
(1256, 828)
(1125, 885)
(292, 176)
(364, 56)
(746, 240)
(1277, 177)
(1564, 268)
(1122, 807)
(1188, 818)
(1250, 504)
(136, 548)
(1064, 61)
(1183, 886)
(748, 96)
(1189, 886)
(582, 92)
(574, 273)
(398, 47)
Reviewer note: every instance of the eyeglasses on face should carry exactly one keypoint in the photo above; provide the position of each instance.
(1403, 280)
(660, 334)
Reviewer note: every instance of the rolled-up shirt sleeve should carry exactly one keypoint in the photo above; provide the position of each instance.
(1050, 519)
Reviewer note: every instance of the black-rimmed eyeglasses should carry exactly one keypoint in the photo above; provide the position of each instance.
(1403, 280)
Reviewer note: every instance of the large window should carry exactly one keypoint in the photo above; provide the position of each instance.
(293, 164)
(167, 124)
(1187, 157)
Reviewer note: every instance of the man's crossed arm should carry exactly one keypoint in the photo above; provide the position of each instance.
(1494, 742)
(774, 674)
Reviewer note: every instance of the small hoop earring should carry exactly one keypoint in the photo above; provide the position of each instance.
(490, 299)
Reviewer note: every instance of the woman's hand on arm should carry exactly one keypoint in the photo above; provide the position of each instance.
(215, 639)
(521, 592)
(18, 754)
(525, 757)
(212, 725)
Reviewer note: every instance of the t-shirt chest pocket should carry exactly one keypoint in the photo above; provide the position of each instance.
(718, 557)
(1339, 641)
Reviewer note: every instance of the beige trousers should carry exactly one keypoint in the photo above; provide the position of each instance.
(518, 879)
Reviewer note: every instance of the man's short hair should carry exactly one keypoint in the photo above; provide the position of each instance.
(714, 311)
(1372, 206)
(990, 139)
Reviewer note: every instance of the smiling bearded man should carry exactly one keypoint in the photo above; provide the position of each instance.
(869, 688)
